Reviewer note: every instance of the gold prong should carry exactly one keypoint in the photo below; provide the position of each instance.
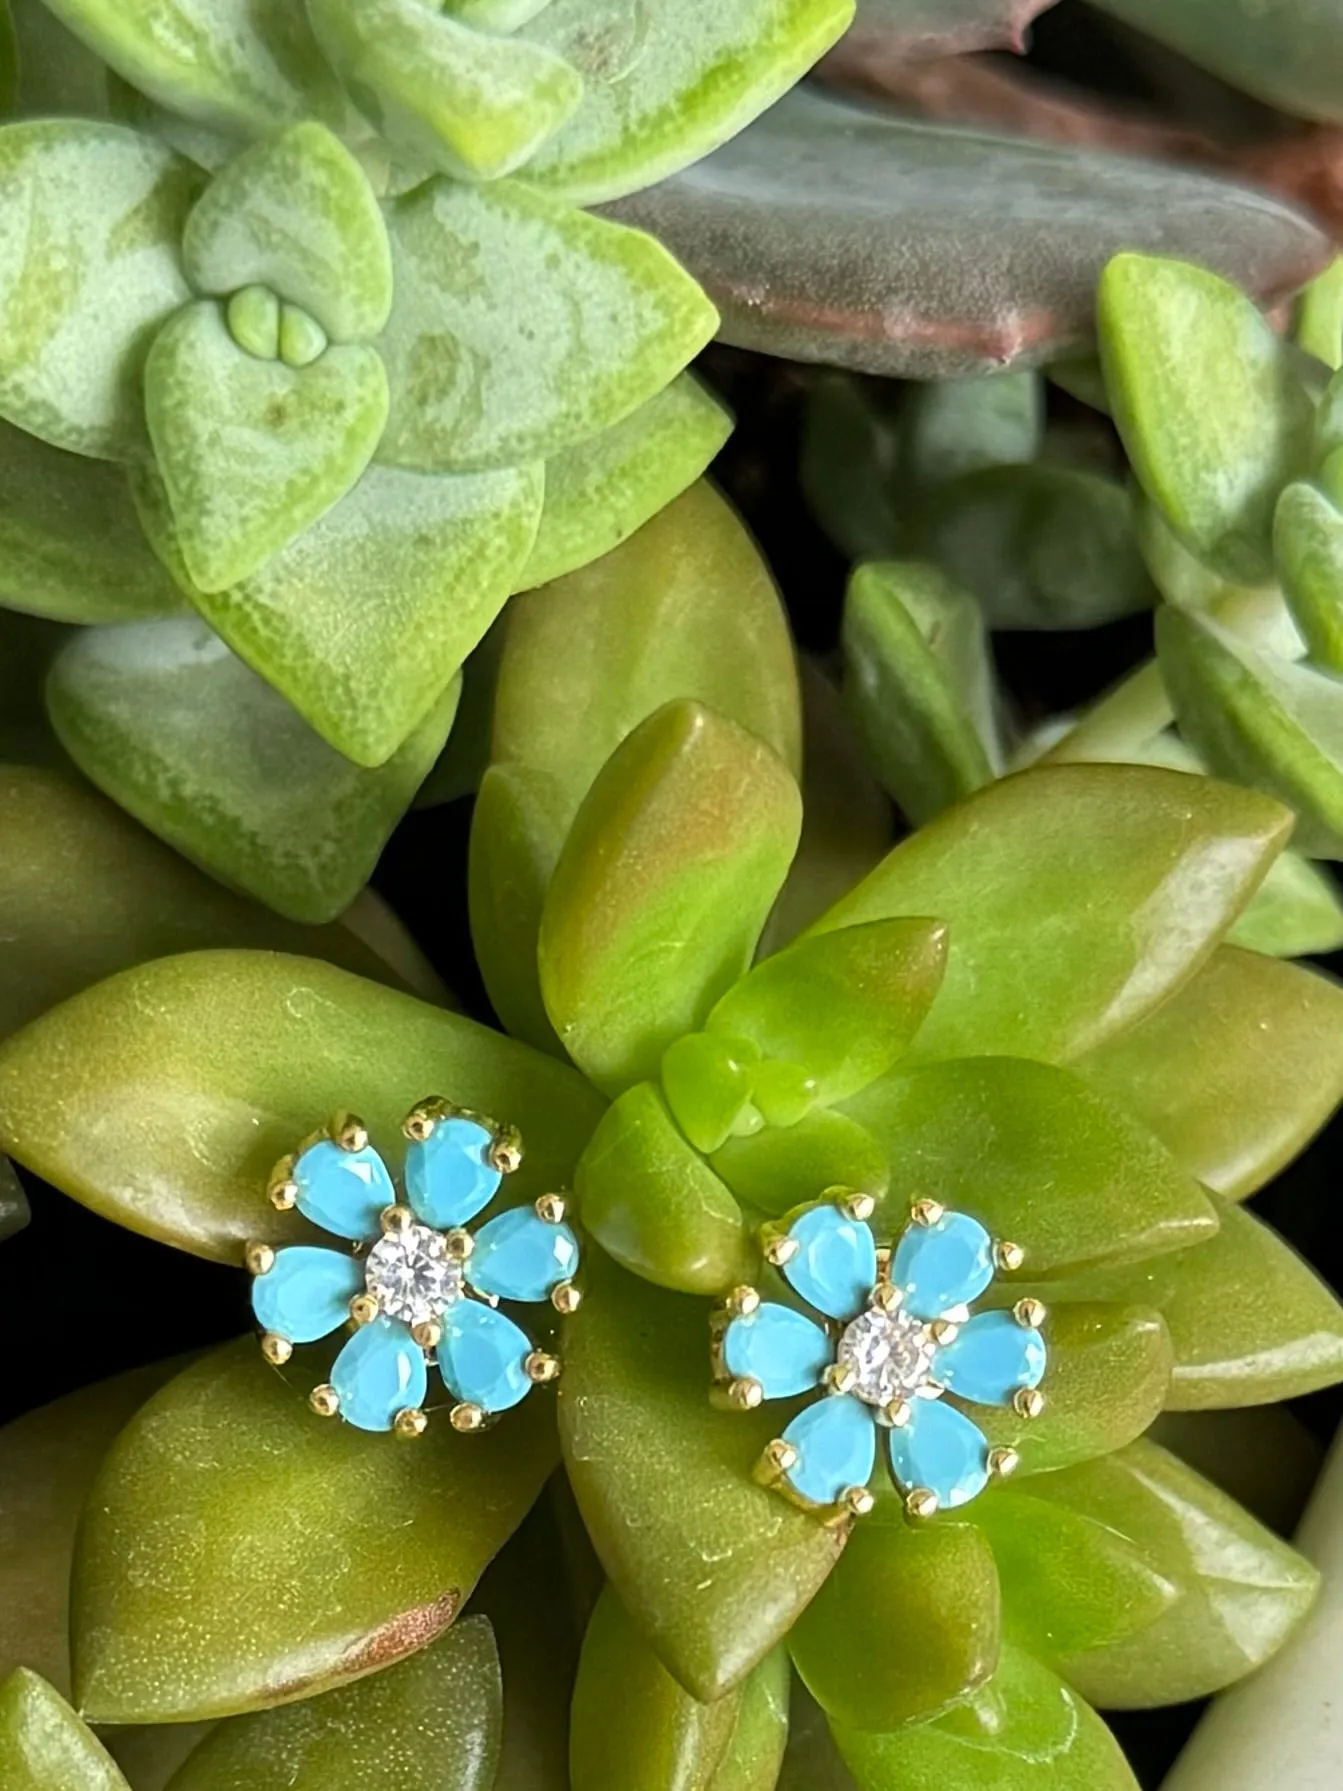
(857, 1501)
(781, 1250)
(840, 1377)
(364, 1308)
(1028, 1402)
(283, 1195)
(943, 1331)
(921, 1503)
(929, 1390)
(428, 1333)
(744, 1394)
(260, 1258)
(884, 1254)
(927, 1212)
(1030, 1313)
(349, 1132)
(324, 1400)
(425, 1117)
(898, 1413)
(410, 1423)
(396, 1218)
(505, 1153)
(1003, 1462)
(276, 1349)
(459, 1243)
(551, 1208)
(741, 1302)
(856, 1206)
(1008, 1257)
(776, 1459)
(886, 1296)
(566, 1298)
(466, 1417)
(541, 1368)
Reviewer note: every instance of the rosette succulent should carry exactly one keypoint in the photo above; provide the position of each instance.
(724, 1000)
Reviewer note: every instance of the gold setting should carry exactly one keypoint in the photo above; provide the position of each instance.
(921, 1503)
(840, 1377)
(410, 1423)
(1003, 1462)
(857, 1501)
(541, 1369)
(944, 1331)
(566, 1298)
(460, 1244)
(260, 1258)
(428, 1333)
(1008, 1258)
(325, 1400)
(781, 1250)
(363, 1309)
(551, 1208)
(467, 1418)
(927, 1212)
(1030, 1313)
(1028, 1402)
(276, 1349)
(854, 1205)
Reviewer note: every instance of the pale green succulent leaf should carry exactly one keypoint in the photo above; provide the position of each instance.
(1296, 912)
(181, 1084)
(1140, 871)
(1308, 551)
(949, 427)
(295, 213)
(781, 1167)
(1319, 316)
(479, 380)
(89, 269)
(430, 1723)
(754, 1753)
(847, 468)
(44, 1743)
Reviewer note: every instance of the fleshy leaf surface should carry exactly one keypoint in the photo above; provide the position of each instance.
(781, 1167)
(1141, 871)
(430, 1723)
(364, 620)
(477, 381)
(713, 1568)
(1296, 912)
(225, 1613)
(755, 1749)
(663, 888)
(44, 1744)
(245, 1053)
(187, 738)
(90, 268)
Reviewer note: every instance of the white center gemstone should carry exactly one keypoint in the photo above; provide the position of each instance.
(411, 1275)
(891, 1354)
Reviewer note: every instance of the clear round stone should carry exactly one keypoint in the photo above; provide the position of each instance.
(891, 1354)
(411, 1275)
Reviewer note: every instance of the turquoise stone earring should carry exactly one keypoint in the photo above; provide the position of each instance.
(421, 1291)
(893, 1348)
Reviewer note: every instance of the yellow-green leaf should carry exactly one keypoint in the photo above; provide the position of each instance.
(43, 1744)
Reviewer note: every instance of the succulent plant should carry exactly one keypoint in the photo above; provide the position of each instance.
(1026, 1011)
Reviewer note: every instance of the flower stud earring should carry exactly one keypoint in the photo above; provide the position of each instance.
(894, 1349)
(420, 1289)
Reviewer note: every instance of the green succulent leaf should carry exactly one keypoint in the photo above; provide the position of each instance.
(664, 86)
(656, 1206)
(468, 103)
(192, 743)
(1140, 871)
(1236, 1072)
(14, 1214)
(254, 451)
(89, 270)
(1319, 316)
(755, 1748)
(1308, 551)
(494, 15)
(1038, 1156)
(1108, 1380)
(364, 620)
(833, 232)
(84, 893)
(27, 646)
(949, 427)
(1023, 1731)
(781, 1167)
(239, 66)
(1263, 1456)
(162, 1097)
(1241, 1590)
(918, 685)
(1258, 718)
(58, 76)
(634, 1727)
(229, 1611)
(1208, 402)
(1044, 546)
(1291, 56)
(663, 888)
(48, 1459)
(1296, 912)
(69, 544)
(295, 214)
(847, 467)
(713, 1568)
(842, 1006)
(515, 844)
(44, 1744)
(476, 381)
(907, 1624)
(430, 1723)
(604, 488)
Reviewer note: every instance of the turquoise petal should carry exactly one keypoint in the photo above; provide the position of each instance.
(343, 1191)
(307, 1293)
(520, 1256)
(941, 1449)
(992, 1358)
(836, 1443)
(942, 1265)
(835, 1269)
(449, 1177)
(380, 1372)
(778, 1347)
(482, 1356)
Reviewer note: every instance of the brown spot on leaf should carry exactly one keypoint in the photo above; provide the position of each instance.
(403, 1635)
